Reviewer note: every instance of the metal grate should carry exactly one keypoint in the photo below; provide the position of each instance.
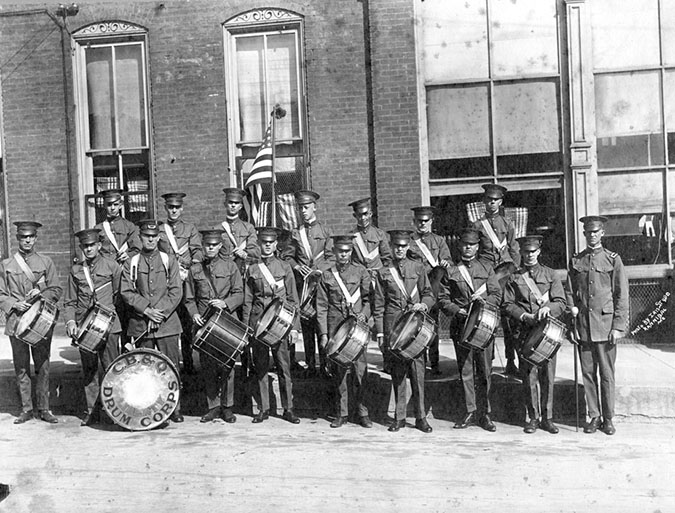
(652, 312)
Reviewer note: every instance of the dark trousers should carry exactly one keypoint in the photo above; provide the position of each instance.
(219, 383)
(186, 336)
(538, 388)
(282, 361)
(415, 369)
(475, 369)
(309, 335)
(358, 372)
(21, 353)
(598, 356)
(434, 354)
(168, 346)
(511, 343)
(91, 375)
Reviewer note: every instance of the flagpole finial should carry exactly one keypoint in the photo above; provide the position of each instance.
(278, 111)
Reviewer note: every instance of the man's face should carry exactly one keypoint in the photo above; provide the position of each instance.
(423, 224)
(364, 218)
(594, 236)
(529, 257)
(90, 249)
(233, 207)
(211, 248)
(149, 242)
(113, 209)
(468, 250)
(173, 212)
(26, 242)
(492, 205)
(267, 247)
(343, 255)
(307, 211)
(401, 250)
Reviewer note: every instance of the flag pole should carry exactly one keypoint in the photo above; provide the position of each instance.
(277, 113)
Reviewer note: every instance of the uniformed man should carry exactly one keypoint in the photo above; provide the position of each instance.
(533, 294)
(371, 245)
(499, 248)
(152, 289)
(120, 236)
(93, 281)
(309, 252)
(181, 239)
(402, 287)
(214, 283)
(433, 251)
(344, 292)
(468, 281)
(266, 280)
(598, 287)
(26, 277)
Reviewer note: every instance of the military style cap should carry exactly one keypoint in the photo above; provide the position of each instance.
(361, 205)
(268, 233)
(530, 242)
(214, 236)
(111, 195)
(148, 227)
(343, 241)
(304, 197)
(174, 198)
(593, 222)
(400, 237)
(492, 190)
(234, 194)
(423, 212)
(89, 236)
(26, 227)
(470, 236)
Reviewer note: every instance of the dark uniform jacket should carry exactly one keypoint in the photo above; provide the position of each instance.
(320, 243)
(258, 294)
(124, 231)
(505, 230)
(390, 302)
(437, 247)
(455, 293)
(106, 276)
(156, 287)
(245, 236)
(597, 285)
(214, 279)
(378, 251)
(187, 236)
(15, 285)
(332, 306)
(519, 299)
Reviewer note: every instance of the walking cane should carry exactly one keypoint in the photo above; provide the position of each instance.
(575, 342)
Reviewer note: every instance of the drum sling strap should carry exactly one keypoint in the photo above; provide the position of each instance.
(427, 254)
(27, 270)
(306, 246)
(399, 283)
(469, 281)
(133, 266)
(350, 298)
(368, 256)
(267, 274)
(173, 242)
(233, 240)
(499, 245)
(542, 299)
(111, 237)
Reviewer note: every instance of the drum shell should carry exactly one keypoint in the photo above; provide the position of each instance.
(411, 335)
(275, 323)
(480, 325)
(37, 323)
(140, 390)
(543, 341)
(95, 329)
(222, 337)
(348, 342)
(307, 309)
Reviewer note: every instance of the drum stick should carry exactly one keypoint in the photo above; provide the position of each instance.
(132, 345)
(575, 337)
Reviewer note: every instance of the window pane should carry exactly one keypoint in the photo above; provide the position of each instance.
(628, 119)
(460, 168)
(638, 238)
(625, 33)
(668, 31)
(527, 117)
(525, 37)
(458, 122)
(669, 99)
(529, 163)
(100, 97)
(455, 40)
(646, 193)
(282, 78)
(252, 116)
(130, 98)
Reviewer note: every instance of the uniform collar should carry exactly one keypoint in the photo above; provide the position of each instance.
(595, 250)
(113, 219)
(341, 267)
(469, 262)
(310, 223)
(267, 259)
(232, 219)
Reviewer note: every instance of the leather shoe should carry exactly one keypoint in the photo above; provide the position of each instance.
(487, 424)
(531, 426)
(177, 417)
(423, 426)
(338, 422)
(469, 420)
(548, 425)
(290, 416)
(396, 425)
(88, 419)
(608, 427)
(48, 416)
(593, 425)
(228, 416)
(260, 416)
(211, 415)
(23, 417)
(365, 422)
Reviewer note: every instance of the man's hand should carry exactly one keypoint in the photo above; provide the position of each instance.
(157, 316)
(304, 270)
(361, 318)
(543, 313)
(198, 320)
(444, 263)
(32, 293)
(463, 313)
(218, 303)
(21, 306)
(71, 329)
(529, 319)
(419, 307)
(323, 341)
(380, 342)
(614, 336)
(241, 253)
(122, 256)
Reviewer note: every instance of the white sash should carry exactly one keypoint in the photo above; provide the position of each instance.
(401, 286)
(24, 267)
(133, 265)
(228, 230)
(493, 236)
(90, 282)
(308, 249)
(111, 237)
(469, 281)
(368, 256)
(172, 240)
(541, 299)
(269, 278)
(351, 298)
(427, 254)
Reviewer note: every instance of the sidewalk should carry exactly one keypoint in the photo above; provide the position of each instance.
(645, 385)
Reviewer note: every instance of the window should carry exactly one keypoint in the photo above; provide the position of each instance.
(113, 126)
(264, 68)
(634, 71)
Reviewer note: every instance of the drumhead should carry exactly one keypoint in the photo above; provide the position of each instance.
(268, 316)
(471, 321)
(28, 317)
(344, 332)
(405, 329)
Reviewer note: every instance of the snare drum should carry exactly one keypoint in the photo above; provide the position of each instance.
(480, 325)
(140, 389)
(543, 341)
(411, 335)
(95, 329)
(307, 310)
(349, 341)
(36, 323)
(223, 338)
(275, 323)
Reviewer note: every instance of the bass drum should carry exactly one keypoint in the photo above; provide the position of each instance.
(223, 338)
(140, 389)
(95, 329)
(36, 323)
(349, 342)
(411, 335)
(275, 323)
(480, 325)
(543, 341)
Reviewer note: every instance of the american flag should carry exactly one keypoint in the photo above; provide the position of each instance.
(261, 172)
